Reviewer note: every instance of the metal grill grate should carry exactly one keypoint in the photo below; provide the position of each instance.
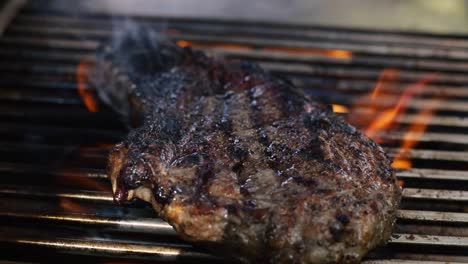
(55, 198)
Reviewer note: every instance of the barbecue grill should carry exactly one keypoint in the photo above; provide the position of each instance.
(56, 202)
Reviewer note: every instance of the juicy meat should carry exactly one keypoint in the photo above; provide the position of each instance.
(242, 161)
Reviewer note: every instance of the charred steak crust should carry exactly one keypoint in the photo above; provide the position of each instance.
(233, 157)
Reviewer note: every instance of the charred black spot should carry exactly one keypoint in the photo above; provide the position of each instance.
(192, 159)
(324, 124)
(304, 181)
(204, 174)
(233, 208)
(311, 152)
(237, 152)
(385, 174)
(172, 127)
(225, 125)
(336, 229)
(250, 67)
(356, 152)
(324, 191)
(263, 137)
(345, 127)
(133, 175)
(164, 195)
(238, 167)
(380, 196)
(251, 203)
(313, 122)
(344, 219)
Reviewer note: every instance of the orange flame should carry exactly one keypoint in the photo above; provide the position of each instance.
(85, 93)
(78, 179)
(384, 120)
(341, 54)
(183, 43)
(411, 137)
(337, 108)
(388, 76)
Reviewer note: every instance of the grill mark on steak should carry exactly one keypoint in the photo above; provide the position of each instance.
(234, 157)
(261, 134)
(241, 115)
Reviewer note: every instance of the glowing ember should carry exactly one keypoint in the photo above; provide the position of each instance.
(67, 204)
(402, 163)
(85, 93)
(345, 54)
(183, 43)
(106, 146)
(401, 182)
(339, 108)
(341, 54)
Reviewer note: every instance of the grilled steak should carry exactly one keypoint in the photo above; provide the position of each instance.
(242, 161)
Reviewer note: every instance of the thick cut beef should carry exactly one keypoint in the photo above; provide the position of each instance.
(242, 161)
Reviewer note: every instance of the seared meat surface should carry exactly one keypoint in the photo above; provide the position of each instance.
(242, 161)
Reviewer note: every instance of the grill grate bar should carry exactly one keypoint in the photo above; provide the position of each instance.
(429, 240)
(424, 137)
(433, 194)
(435, 120)
(146, 225)
(51, 43)
(152, 251)
(433, 174)
(82, 195)
(27, 168)
(417, 52)
(358, 60)
(432, 216)
(430, 154)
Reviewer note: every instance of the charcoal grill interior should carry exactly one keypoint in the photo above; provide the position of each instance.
(55, 200)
